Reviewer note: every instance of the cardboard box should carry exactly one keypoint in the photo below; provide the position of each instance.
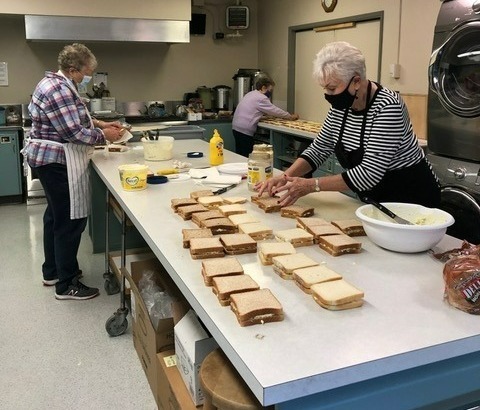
(192, 345)
(147, 340)
(172, 394)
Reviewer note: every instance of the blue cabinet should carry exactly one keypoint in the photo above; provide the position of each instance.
(10, 167)
(225, 130)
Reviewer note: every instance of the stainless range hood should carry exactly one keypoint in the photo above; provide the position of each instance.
(63, 28)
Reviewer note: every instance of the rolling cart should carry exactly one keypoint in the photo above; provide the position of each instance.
(117, 324)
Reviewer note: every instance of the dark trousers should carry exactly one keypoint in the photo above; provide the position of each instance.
(61, 235)
(243, 143)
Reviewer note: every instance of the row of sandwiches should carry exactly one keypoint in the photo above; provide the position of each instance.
(225, 228)
(251, 304)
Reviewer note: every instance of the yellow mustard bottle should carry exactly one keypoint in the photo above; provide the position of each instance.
(216, 149)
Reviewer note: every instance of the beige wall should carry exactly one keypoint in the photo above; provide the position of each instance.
(416, 34)
(136, 71)
(140, 72)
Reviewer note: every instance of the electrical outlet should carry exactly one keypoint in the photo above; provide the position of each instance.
(395, 71)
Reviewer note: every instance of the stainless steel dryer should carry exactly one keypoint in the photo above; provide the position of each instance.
(454, 76)
(460, 195)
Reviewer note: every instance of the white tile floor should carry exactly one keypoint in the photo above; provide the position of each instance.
(57, 354)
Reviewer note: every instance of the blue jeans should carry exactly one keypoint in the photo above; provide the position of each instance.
(61, 235)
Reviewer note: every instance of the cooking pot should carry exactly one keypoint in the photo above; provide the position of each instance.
(156, 110)
(12, 116)
(206, 96)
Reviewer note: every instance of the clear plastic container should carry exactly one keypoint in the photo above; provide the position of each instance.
(259, 168)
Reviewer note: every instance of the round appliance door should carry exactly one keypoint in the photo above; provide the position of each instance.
(454, 71)
(466, 210)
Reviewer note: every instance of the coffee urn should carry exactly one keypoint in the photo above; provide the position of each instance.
(221, 97)
(243, 82)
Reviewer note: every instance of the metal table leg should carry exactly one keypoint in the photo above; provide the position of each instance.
(111, 285)
(117, 324)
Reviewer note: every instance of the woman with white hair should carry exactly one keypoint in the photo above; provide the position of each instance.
(369, 130)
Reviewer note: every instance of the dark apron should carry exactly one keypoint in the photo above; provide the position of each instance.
(414, 184)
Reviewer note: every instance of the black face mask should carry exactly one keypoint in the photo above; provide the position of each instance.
(343, 100)
(268, 94)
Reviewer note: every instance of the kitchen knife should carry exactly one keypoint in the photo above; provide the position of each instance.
(387, 211)
(223, 190)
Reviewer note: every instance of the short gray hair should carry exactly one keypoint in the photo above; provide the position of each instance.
(76, 55)
(338, 60)
(263, 80)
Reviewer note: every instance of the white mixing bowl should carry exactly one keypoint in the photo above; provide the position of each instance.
(430, 225)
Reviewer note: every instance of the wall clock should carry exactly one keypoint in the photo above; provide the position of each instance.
(329, 5)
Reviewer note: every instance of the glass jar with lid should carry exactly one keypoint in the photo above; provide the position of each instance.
(259, 168)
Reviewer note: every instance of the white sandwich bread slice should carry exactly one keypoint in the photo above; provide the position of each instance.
(232, 209)
(212, 268)
(337, 245)
(238, 219)
(267, 250)
(202, 248)
(210, 201)
(225, 286)
(284, 265)
(306, 277)
(257, 230)
(296, 236)
(203, 192)
(235, 200)
(256, 307)
(337, 295)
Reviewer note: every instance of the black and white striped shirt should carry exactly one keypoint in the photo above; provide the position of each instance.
(389, 141)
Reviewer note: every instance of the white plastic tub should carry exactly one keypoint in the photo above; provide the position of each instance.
(160, 149)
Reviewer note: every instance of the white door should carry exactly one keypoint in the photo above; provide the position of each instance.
(310, 103)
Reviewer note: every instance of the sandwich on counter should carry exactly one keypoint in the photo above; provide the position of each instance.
(225, 286)
(232, 209)
(199, 217)
(296, 236)
(256, 307)
(350, 227)
(210, 201)
(284, 265)
(238, 243)
(337, 295)
(202, 248)
(178, 202)
(269, 204)
(305, 223)
(219, 225)
(296, 211)
(195, 233)
(267, 250)
(306, 277)
(235, 200)
(198, 194)
(213, 268)
(323, 230)
(186, 211)
(257, 230)
(238, 219)
(337, 245)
